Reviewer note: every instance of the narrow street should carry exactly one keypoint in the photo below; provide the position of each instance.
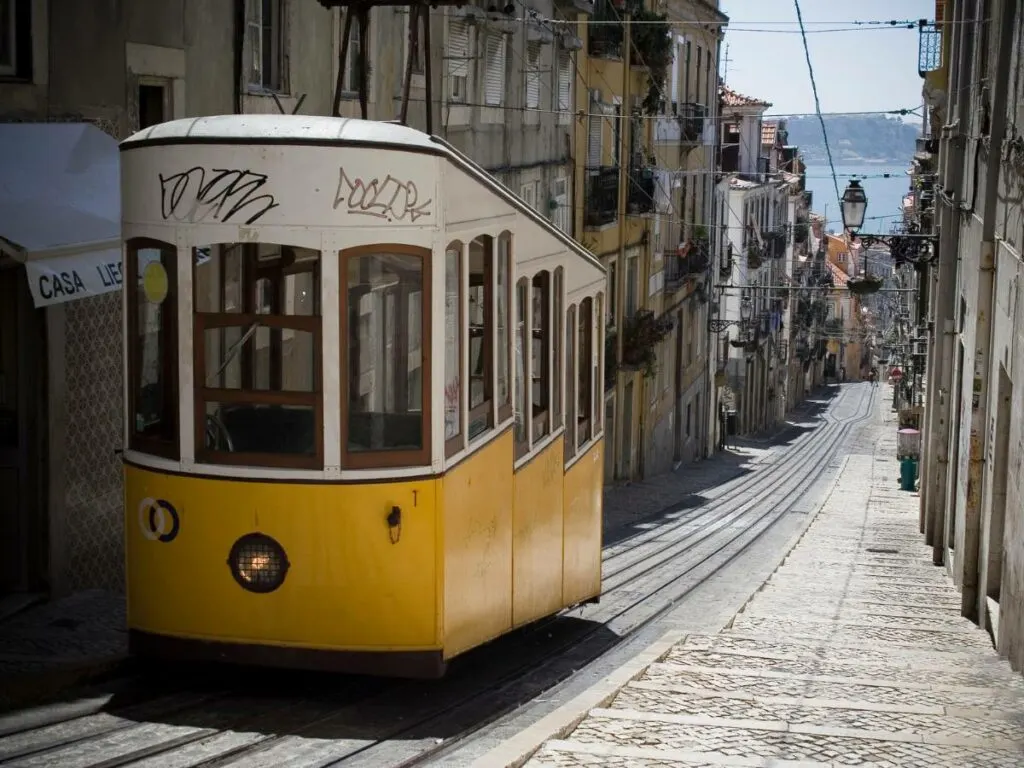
(678, 553)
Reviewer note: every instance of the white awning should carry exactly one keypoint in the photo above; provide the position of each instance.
(60, 208)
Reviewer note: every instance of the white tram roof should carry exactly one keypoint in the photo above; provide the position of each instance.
(336, 131)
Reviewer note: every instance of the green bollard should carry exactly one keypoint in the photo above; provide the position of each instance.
(908, 474)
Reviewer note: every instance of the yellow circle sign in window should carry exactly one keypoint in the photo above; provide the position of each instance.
(154, 282)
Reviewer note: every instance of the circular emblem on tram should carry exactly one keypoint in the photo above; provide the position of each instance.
(158, 520)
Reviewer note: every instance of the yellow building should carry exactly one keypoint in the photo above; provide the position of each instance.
(843, 258)
(644, 156)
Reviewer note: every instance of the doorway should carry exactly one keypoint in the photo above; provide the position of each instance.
(992, 564)
(23, 533)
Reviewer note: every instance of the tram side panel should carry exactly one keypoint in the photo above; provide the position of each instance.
(583, 505)
(537, 531)
(476, 514)
(353, 582)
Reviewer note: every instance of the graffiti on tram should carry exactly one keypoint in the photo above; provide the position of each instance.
(388, 198)
(215, 194)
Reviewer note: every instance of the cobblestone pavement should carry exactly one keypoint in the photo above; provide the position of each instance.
(852, 654)
(53, 645)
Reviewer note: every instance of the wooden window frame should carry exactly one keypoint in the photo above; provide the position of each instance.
(522, 394)
(455, 443)
(541, 417)
(388, 459)
(571, 379)
(557, 353)
(204, 321)
(584, 423)
(168, 449)
(505, 409)
(597, 356)
(484, 409)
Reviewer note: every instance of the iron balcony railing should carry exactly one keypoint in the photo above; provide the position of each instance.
(679, 269)
(641, 190)
(691, 121)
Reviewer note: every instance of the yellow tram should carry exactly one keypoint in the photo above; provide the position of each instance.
(333, 459)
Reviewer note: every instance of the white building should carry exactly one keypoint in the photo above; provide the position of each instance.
(751, 247)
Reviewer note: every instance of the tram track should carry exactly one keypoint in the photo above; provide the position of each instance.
(382, 722)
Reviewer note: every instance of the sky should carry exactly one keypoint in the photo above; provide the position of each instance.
(863, 70)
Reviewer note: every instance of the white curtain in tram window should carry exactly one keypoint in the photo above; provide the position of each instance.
(452, 354)
(533, 75)
(594, 130)
(494, 71)
(458, 61)
(564, 81)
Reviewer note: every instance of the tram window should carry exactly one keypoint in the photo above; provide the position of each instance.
(540, 349)
(556, 351)
(522, 419)
(503, 290)
(257, 350)
(585, 393)
(570, 382)
(385, 324)
(598, 357)
(153, 347)
(453, 348)
(481, 335)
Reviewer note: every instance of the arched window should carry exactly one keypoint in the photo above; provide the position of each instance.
(522, 415)
(385, 383)
(557, 352)
(570, 383)
(599, 363)
(257, 355)
(585, 390)
(453, 335)
(151, 290)
(481, 326)
(503, 326)
(540, 355)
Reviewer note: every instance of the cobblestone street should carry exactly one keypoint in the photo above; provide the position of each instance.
(853, 654)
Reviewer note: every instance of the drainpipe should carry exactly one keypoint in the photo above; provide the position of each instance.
(952, 174)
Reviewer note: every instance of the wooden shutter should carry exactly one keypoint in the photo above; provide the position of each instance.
(564, 81)
(458, 49)
(594, 141)
(494, 74)
(533, 75)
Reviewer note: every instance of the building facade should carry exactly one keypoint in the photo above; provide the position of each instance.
(751, 247)
(972, 497)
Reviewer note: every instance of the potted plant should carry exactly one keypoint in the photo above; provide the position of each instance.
(642, 335)
(864, 285)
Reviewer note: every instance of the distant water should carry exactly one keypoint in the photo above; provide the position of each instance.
(885, 195)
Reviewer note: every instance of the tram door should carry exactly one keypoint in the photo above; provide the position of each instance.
(22, 528)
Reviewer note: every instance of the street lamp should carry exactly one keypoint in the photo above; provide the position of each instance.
(854, 206)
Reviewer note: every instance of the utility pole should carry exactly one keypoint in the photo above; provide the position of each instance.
(626, 119)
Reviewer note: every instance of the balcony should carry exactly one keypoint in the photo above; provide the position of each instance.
(680, 269)
(601, 200)
(641, 190)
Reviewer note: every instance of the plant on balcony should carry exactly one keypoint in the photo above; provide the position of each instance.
(652, 48)
(643, 333)
(864, 285)
(801, 230)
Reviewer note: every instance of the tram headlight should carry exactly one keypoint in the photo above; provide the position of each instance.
(258, 563)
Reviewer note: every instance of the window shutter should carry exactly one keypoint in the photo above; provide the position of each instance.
(564, 81)
(494, 80)
(594, 141)
(533, 75)
(458, 49)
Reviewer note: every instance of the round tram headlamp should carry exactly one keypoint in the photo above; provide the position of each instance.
(258, 563)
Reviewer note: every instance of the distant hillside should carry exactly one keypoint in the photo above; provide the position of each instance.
(854, 138)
